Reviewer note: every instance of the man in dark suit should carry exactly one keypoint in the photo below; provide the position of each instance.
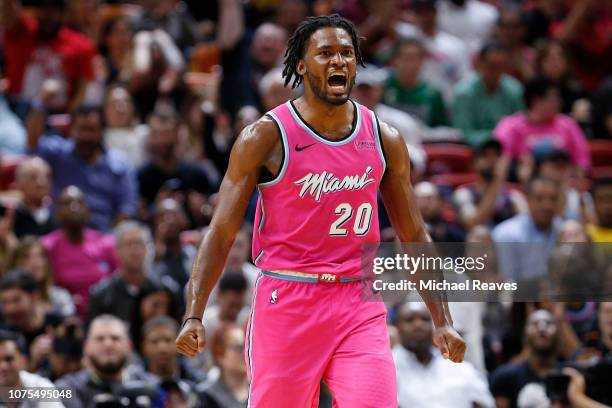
(33, 215)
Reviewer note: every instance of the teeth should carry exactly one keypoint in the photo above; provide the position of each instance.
(337, 80)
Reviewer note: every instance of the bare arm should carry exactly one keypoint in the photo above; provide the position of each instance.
(486, 207)
(576, 391)
(576, 20)
(35, 126)
(569, 341)
(231, 24)
(406, 219)
(79, 95)
(37, 116)
(249, 154)
(400, 203)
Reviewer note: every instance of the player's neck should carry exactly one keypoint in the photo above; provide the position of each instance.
(323, 116)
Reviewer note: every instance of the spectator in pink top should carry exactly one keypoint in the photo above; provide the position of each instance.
(79, 256)
(542, 126)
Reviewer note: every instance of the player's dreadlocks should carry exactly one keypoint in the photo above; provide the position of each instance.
(298, 42)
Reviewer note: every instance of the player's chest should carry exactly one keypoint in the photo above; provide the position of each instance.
(338, 175)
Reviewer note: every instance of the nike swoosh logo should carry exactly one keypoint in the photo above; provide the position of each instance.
(300, 148)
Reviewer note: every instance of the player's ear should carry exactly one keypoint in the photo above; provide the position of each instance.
(301, 67)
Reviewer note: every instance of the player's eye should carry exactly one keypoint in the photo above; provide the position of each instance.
(324, 53)
(347, 53)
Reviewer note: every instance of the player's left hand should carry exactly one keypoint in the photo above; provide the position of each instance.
(450, 343)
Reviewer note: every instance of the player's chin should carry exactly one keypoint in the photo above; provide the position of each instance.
(337, 98)
(336, 95)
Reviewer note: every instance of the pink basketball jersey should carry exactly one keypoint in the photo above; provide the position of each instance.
(321, 209)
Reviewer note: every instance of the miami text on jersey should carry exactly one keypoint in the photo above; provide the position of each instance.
(328, 183)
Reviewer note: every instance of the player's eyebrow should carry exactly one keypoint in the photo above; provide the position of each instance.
(328, 46)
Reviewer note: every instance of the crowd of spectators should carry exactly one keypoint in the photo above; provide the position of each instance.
(116, 124)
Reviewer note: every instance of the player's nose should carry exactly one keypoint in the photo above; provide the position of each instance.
(337, 59)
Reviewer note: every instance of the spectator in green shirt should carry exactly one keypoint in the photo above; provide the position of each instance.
(482, 99)
(407, 91)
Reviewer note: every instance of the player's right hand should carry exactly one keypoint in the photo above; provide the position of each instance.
(190, 340)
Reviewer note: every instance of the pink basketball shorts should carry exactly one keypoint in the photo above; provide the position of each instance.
(300, 333)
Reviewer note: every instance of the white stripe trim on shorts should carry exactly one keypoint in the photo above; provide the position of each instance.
(252, 318)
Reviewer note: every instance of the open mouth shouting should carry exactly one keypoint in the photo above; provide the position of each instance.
(337, 82)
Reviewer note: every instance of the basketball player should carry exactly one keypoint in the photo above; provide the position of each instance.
(317, 163)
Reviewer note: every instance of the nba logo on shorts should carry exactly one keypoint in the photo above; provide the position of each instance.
(274, 296)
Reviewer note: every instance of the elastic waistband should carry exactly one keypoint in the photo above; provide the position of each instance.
(309, 277)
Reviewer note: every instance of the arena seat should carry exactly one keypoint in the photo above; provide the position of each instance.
(601, 158)
(445, 158)
(601, 153)
(601, 172)
(454, 180)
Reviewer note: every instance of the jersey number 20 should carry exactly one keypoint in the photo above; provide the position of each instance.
(361, 225)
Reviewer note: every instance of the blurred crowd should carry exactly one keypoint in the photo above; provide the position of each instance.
(116, 124)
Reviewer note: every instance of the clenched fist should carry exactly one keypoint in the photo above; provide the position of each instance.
(450, 343)
(190, 340)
